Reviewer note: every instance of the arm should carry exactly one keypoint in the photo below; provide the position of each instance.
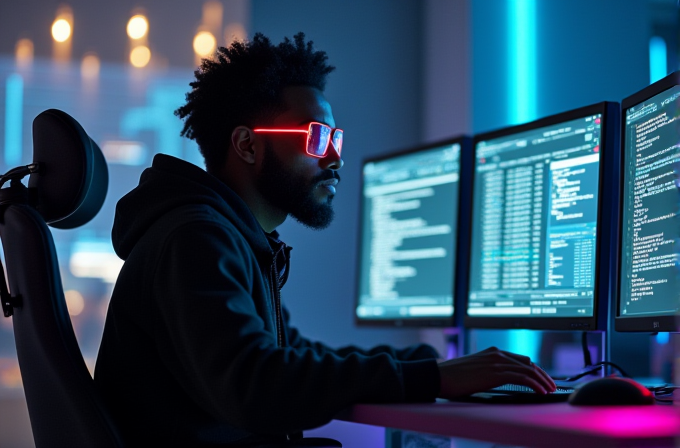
(219, 350)
(413, 353)
(459, 377)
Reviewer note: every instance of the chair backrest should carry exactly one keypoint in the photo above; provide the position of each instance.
(66, 189)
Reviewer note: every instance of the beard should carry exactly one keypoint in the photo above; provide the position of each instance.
(293, 193)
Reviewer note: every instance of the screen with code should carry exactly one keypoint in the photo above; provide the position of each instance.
(408, 230)
(650, 224)
(534, 221)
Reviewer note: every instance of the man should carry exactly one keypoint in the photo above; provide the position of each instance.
(197, 349)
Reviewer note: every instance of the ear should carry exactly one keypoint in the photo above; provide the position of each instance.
(242, 140)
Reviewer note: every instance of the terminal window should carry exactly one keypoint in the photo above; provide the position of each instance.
(410, 213)
(534, 225)
(651, 227)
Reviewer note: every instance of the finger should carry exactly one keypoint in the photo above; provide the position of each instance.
(546, 377)
(500, 361)
(534, 373)
(523, 380)
(519, 358)
(489, 349)
(525, 360)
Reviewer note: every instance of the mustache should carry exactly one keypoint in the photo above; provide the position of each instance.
(326, 175)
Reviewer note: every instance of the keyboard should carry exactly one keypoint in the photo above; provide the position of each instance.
(516, 389)
(515, 394)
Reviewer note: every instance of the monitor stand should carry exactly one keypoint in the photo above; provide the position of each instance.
(599, 338)
(455, 342)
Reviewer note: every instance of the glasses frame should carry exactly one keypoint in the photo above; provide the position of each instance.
(308, 131)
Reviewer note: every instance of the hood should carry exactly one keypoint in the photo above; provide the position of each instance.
(170, 183)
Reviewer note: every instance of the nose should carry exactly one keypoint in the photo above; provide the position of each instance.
(332, 160)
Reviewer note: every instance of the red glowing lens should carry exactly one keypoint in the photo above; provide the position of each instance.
(319, 136)
(337, 140)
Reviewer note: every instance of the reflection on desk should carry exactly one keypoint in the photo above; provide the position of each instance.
(546, 425)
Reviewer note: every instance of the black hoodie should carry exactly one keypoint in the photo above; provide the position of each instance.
(197, 350)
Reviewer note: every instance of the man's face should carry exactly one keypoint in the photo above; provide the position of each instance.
(289, 179)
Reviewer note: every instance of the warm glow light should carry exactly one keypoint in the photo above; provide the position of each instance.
(137, 27)
(213, 11)
(204, 43)
(61, 30)
(234, 31)
(10, 376)
(24, 52)
(89, 67)
(140, 56)
(74, 302)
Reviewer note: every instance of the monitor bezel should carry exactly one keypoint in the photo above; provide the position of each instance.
(454, 320)
(603, 270)
(648, 324)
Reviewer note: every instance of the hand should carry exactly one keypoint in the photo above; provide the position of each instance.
(491, 368)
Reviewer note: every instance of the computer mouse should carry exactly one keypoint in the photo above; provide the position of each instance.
(611, 391)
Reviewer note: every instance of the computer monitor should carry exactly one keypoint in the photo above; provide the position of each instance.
(408, 235)
(541, 223)
(648, 296)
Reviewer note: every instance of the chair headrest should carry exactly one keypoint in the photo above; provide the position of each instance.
(71, 184)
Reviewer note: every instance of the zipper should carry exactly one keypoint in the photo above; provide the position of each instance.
(276, 293)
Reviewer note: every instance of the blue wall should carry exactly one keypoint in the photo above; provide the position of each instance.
(586, 52)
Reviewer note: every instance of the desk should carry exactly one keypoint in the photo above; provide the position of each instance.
(542, 426)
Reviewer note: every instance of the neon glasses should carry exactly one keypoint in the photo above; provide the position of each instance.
(319, 137)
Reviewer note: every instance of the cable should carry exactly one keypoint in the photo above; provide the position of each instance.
(587, 359)
(592, 369)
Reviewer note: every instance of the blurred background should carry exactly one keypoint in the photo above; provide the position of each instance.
(408, 72)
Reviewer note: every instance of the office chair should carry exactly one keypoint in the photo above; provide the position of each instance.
(67, 186)
(66, 189)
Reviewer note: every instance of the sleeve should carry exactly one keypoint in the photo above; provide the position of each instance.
(414, 353)
(219, 350)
